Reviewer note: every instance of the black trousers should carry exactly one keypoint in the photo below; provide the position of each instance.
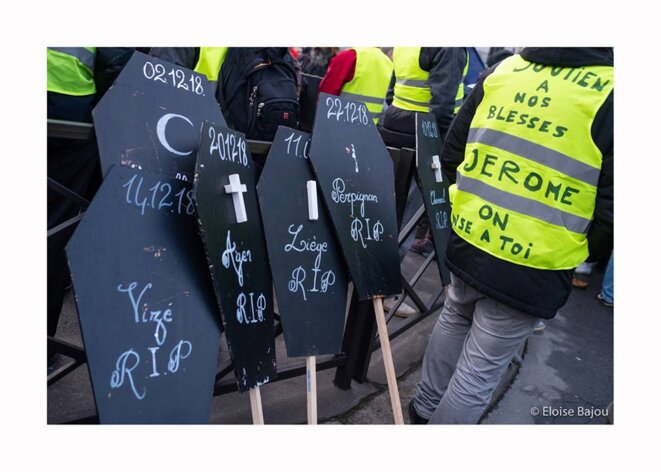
(74, 164)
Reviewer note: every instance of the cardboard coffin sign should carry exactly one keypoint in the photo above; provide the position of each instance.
(152, 115)
(306, 262)
(355, 173)
(145, 302)
(433, 186)
(234, 241)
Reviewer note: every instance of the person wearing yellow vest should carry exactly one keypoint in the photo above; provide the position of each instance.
(361, 74)
(425, 80)
(429, 80)
(530, 156)
(76, 78)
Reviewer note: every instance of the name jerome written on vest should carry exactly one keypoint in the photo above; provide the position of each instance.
(514, 157)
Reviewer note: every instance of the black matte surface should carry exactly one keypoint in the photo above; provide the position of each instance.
(250, 333)
(139, 229)
(367, 235)
(127, 118)
(307, 266)
(434, 194)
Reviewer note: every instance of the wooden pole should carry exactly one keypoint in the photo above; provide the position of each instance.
(256, 406)
(312, 389)
(387, 360)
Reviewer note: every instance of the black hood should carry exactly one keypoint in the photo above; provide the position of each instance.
(570, 57)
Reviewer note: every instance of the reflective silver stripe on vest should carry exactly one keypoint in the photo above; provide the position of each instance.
(361, 98)
(83, 55)
(458, 103)
(536, 152)
(413, 83)
(412, 102)
(523, 205)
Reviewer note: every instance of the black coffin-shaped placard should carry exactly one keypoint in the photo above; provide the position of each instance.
(306, 262)
(145, 302)
(236, 252)
(356, 176)
(434, 186)
(152, 115)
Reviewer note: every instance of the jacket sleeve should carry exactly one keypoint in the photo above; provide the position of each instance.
(391, 89)
(184, 57)
(341, 70)
(445, 75)
(600, 235)
(108, 64)
(454, 144)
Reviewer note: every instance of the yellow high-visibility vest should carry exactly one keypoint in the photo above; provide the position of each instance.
(526, 190)
(71, 71)
(370, 80)
(209, 64)
(459, 98)
(412, 91)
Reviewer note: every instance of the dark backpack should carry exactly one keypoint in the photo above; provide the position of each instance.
(257, 91)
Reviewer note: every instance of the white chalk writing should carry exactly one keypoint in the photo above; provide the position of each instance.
(294, 149)
(229, 147)
(177, 77)
(437, 200)
(338, 196)
(158, 197)
(235, 258)
(142, 314)
(299, 274)
(349, 112)
(441, 220)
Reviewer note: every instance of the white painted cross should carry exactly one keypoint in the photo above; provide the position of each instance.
(436, 165)
(313, 209)
(237, 189)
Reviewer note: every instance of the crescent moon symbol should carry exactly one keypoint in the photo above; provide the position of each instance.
(160, 132)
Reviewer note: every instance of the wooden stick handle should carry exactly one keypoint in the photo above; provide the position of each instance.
(387, 360)
(312, 389)
(256, 406)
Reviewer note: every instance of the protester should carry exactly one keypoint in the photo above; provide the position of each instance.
(238, 77)
(314, 64)
(498, 54)
(76, 80)
(360, 74)
(428, 80)
(531, 154)
(258, 91)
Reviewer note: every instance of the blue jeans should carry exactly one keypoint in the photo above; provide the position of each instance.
(608, 285)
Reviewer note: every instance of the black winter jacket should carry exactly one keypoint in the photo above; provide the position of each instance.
(535, 291)
(445, 67)
(108, 63)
